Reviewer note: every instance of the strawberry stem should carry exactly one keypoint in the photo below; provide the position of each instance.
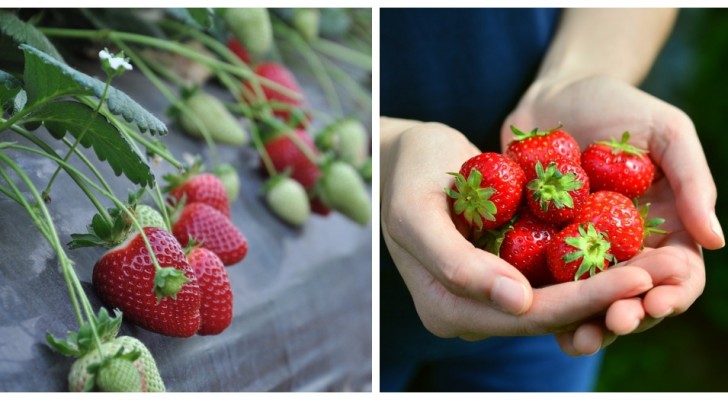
(72, 172)
(48, 230)
(314, 62)
(174, 100)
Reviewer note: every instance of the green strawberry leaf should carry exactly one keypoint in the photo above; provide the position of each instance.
(9, 89)
(202, 16)
(108, 143)
(47, 78)
(21, 32)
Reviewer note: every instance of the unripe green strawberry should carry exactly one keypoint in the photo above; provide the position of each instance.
(343, 190)
(306, 22)
(210, 112)
(288, 199)
(80, 379)
(252, 27)
(230, 179)
(119, 375)
(148, 216)
(348, 139)
(366, 170)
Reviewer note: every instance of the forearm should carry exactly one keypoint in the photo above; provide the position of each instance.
(620, 43)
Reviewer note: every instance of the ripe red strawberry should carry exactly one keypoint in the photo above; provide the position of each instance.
(523, 244)
(199, 188)
(236, 47)
(488, 190)
(212, 230)
(283, 76)
(617, 216)
(619, 167)
(216, 308)
(528, 148)
(556, 194)
(125, 278)
(285, 155)
(578, 252)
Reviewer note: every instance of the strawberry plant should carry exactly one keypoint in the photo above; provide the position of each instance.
(145, 276)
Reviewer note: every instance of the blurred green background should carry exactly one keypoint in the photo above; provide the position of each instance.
(687, 353)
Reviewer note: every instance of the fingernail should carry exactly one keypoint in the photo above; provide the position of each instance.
(715, 225)
(509, 295)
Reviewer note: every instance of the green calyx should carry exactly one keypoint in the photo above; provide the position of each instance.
(116, 373)
(168, 281)
(651, 225)
(193, 168)
(621, 146)
(521, 135)
(472, 201)
(107, 233)
(592, 247)
(492, 239)
(551, 186)
(78, 344)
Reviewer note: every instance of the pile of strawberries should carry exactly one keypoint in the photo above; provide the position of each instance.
(189, 291)
(553, 212)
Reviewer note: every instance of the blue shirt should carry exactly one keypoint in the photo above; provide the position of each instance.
(466, 68)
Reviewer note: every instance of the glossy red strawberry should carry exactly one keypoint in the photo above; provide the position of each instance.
(200, 188)
(216, 308)
(283, 76)
(528, 148)
(617, 216)
(523, 244)
(557, 192)
(212, 230)
(619, 167)
(487, 191)
(124, 278)
(285, 154)
(578, 252)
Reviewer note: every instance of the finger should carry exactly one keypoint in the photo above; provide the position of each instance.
(666, 265)
(576, 301)
(565, 341)
(670, 300)
(676, 149)
(624, 316)
(458, 265)
(558, 307)
(588, 337)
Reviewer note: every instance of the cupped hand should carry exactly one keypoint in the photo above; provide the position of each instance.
(600, 108)
(458, 289)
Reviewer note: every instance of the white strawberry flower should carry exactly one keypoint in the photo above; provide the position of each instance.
(114, 64)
